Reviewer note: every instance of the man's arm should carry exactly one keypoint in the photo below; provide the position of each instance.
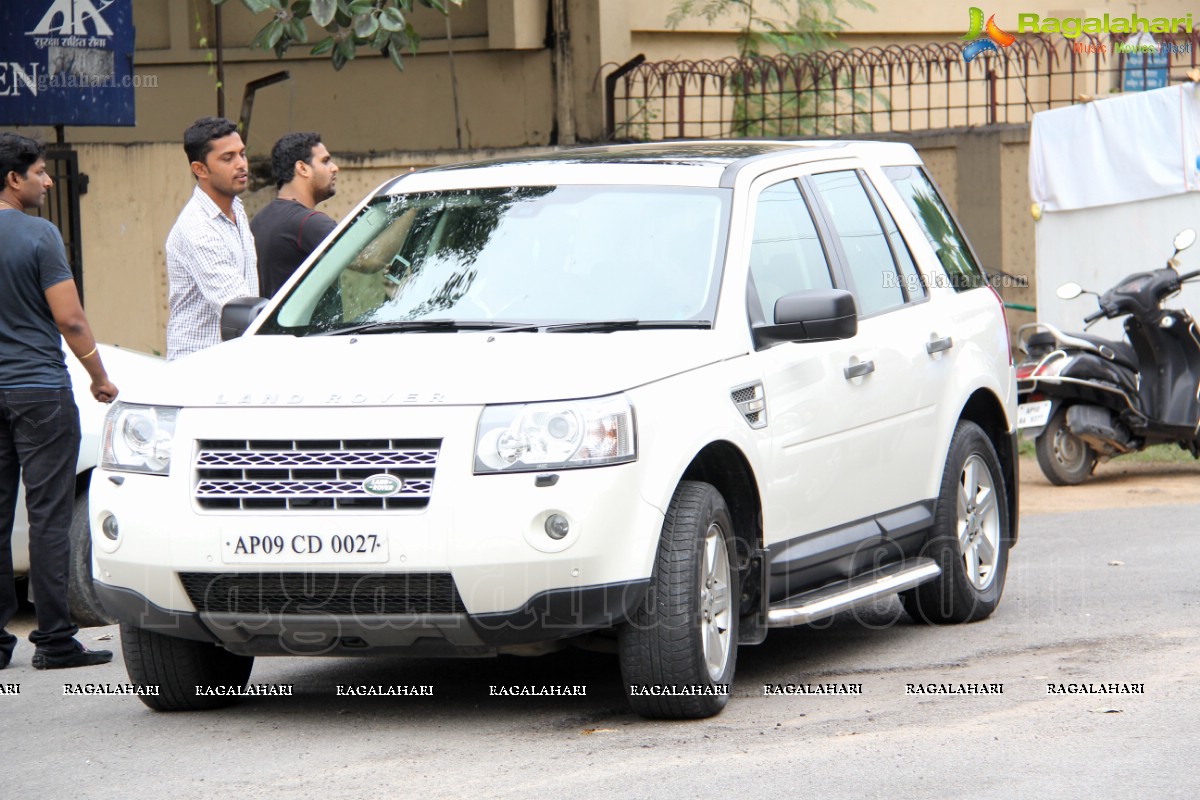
(313, 230)
(68, 314)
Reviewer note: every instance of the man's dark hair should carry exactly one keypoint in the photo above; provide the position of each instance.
(290, 148)
(198, 139)
(17, 154)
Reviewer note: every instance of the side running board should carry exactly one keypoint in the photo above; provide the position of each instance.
(829, 600)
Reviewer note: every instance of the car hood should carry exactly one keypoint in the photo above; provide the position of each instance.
(470, 368)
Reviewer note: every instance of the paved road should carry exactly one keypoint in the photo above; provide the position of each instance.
(1100, 597)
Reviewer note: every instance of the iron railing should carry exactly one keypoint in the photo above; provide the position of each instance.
(877, 89)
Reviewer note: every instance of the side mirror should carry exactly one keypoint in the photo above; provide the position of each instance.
(1184, 239)
(817, 315)
(238, 313)
(1069, 291)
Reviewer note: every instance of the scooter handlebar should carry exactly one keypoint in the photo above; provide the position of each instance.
(1187, 276)
(1095, 315)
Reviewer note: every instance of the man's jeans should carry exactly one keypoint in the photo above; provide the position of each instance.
(39, 443)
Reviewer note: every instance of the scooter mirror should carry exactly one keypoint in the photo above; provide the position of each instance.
(1184, 239)
(1069, 291)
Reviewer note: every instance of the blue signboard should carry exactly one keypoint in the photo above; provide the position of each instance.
(66, 62)
(1145, 71)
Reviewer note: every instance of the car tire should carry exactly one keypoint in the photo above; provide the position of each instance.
(86, 609)
(1065, 459)
(970, 537)
(683, 636)
(178, 666)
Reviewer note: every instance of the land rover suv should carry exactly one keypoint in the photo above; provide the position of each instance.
(663, 396)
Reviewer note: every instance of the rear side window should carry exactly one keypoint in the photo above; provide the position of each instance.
(934, 218)
(786, 255)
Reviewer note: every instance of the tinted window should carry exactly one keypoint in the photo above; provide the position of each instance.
(868, 254)
(786, 256)
(935, 219)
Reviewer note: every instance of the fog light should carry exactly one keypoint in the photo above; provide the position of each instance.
(557, 526)
(109, 527)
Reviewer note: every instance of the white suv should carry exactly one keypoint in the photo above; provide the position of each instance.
(662, 396)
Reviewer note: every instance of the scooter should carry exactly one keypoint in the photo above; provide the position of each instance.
(1085, 399)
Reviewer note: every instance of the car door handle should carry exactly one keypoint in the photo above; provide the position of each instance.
(858, 370)
(939, 345)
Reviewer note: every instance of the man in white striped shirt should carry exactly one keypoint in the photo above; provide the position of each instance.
(210, 250)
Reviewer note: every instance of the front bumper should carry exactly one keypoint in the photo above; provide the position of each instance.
(548, 617)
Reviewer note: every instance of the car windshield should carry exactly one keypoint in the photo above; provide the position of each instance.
(526, 257)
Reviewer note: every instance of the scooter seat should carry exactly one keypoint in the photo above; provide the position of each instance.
(1124, 352)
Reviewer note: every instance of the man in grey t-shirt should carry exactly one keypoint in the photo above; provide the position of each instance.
(39, 422)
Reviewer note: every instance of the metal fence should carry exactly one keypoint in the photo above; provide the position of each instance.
(62, 204)
(878, 89)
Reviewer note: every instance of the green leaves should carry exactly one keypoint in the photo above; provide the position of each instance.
(323, 11)
(365, 25)
(391, 20)
(382, 25)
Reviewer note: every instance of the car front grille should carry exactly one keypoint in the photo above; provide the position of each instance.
(322, 593)
(308, 475)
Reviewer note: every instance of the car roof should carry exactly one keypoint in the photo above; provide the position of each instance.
(705, 163)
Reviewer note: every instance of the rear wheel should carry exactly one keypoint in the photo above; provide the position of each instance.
(679, 651)
(180, 667)
(1065, 459)
(970, 537)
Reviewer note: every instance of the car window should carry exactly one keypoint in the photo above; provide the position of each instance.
(914, 286)
(786, 255)
(526, 255)
(935, 219)
(877, 286)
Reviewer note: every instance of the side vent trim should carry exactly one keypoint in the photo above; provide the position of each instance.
(751, 402)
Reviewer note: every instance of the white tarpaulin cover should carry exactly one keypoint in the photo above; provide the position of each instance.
(1122, 149)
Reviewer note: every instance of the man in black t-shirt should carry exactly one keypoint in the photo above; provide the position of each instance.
(39, 422)
(290, 228)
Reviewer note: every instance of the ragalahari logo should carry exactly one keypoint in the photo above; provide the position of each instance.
(994, 35)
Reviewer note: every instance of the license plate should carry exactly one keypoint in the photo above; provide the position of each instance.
(305, 548)
(1033, 415)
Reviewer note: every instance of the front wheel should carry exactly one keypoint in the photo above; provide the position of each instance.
(189, 675)
(678, 652)
(970, 538)
(1065, 459)
(86, 610)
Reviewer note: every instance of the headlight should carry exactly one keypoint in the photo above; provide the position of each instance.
(559, 435)
(138, 438)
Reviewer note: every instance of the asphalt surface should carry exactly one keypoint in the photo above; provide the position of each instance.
(1101, 597)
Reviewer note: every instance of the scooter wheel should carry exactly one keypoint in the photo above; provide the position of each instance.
(1065, 459)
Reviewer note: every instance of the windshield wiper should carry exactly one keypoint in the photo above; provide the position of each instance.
(431, 326)
(608, 325)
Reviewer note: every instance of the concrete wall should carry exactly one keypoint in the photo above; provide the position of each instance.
(503, 71)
